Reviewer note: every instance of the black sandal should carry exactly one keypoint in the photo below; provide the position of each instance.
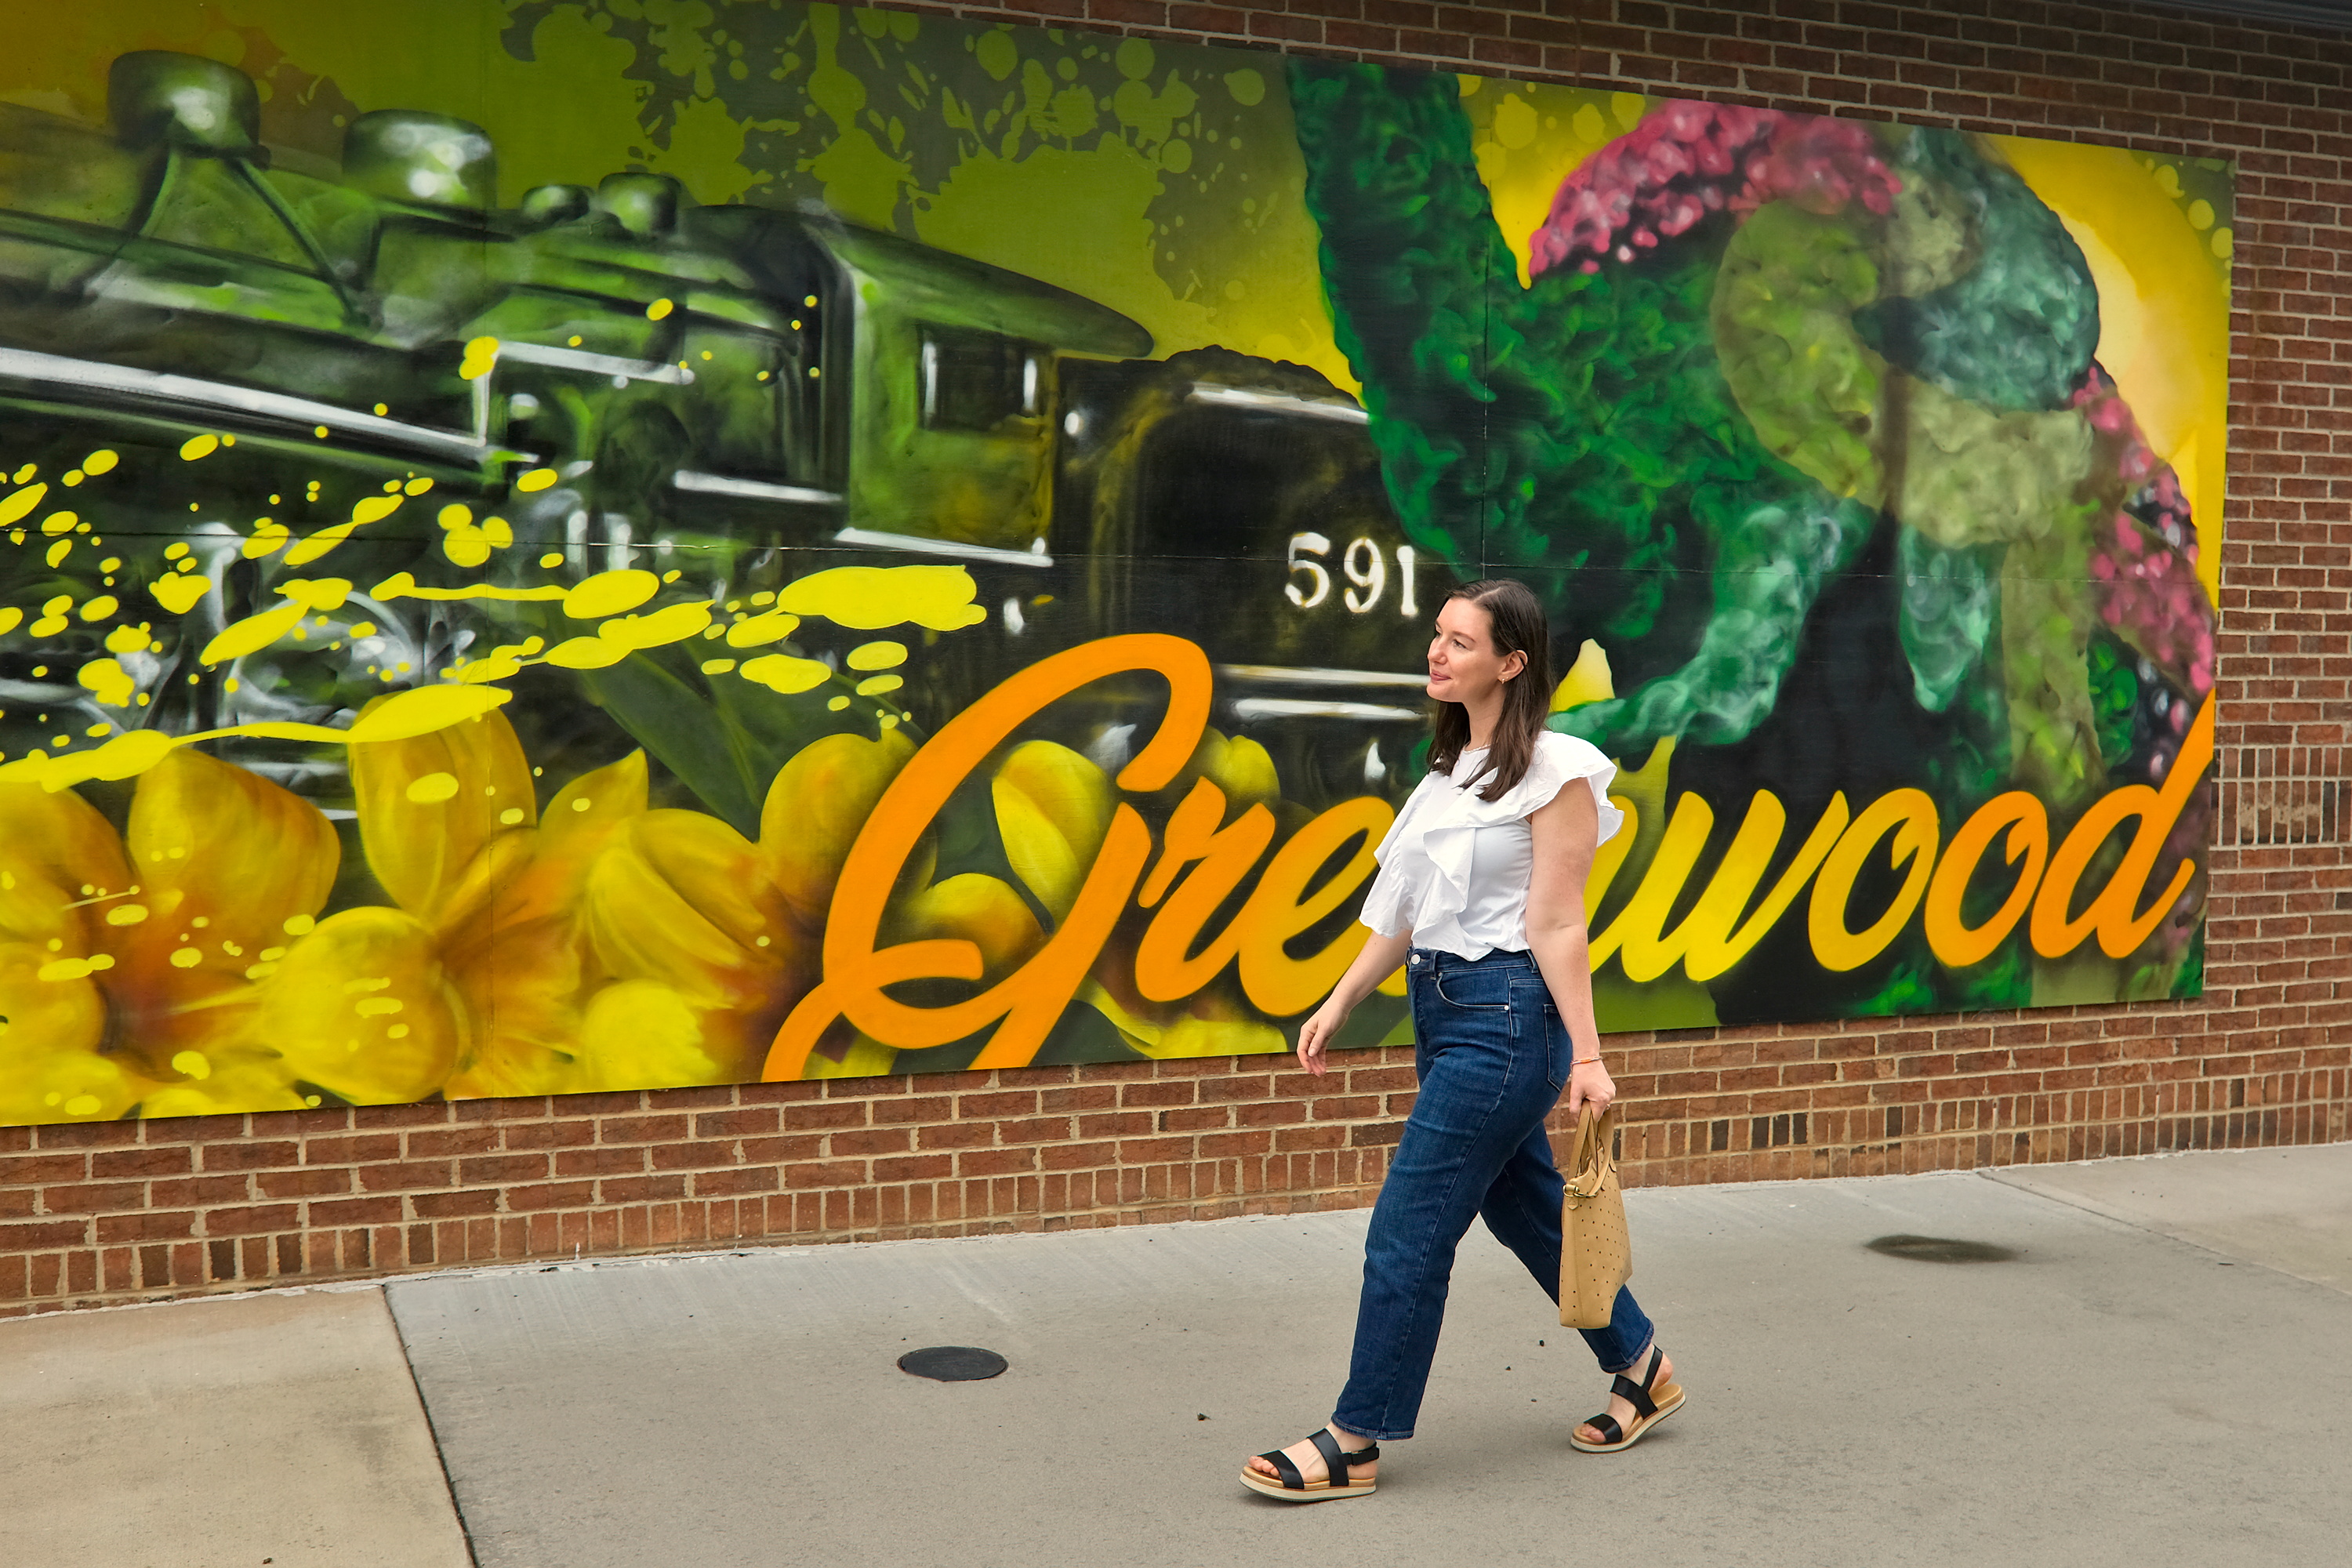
(1649, 1409)
(1338, 1480)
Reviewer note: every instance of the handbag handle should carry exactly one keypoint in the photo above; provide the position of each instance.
(1593, 1161)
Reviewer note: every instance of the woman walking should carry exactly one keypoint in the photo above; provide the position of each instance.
(1481, 896)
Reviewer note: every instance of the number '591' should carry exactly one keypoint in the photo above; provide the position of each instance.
(1361, 562)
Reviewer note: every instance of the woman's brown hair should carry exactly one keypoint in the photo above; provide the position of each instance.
(1515, 624)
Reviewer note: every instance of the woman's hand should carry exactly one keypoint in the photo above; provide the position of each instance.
(1589, 1083)
(1380, 957)
(1315, 1035)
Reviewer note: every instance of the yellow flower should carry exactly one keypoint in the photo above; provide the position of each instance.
(703, 944)
(709, 939)
(131, 966)
(1053, 808)
(815, 808)
(488, 939)
(601, 944)
(363, 1007)
(1214, 1020)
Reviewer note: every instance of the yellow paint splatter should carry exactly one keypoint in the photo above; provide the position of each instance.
(60, 550)
(111, 683)
(878, 655)
(553, 558)
(186, 958)
(126, 639)
(400, 717)
(253, 634)
(76, 968)
(874, 685)
(179, 593)
(616, 639)
(500, 662)
(536, 479)
(191, 1064)
(370, 509)
(411, 713)
(673, 623)
(269, 536)
(432, 788)
(869, 598)
(10, 620)
(59, 523)
(98, 609)
(782, 672)
(511, 816)
(101, 461)
(404, 586)
(658, 309)
(467, 544)
(416, 487)
(425, 710)
(610, 593)
(126, 914)
(299, 925)
(586, 653)
(197, 447)
(716, 666)
(481, 358)
(758, 631)
(20, 505)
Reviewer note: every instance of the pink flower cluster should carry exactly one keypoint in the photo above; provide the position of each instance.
(2151, 591)
(1688, 160)
(2147, 568)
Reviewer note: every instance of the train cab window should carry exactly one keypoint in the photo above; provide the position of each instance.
(977, 380)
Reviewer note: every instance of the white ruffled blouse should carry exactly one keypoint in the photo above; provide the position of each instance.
(1454, 869)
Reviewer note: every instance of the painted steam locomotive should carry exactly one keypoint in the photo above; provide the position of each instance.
(777, 383)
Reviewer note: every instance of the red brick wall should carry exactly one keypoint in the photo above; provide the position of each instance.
(91, 1215)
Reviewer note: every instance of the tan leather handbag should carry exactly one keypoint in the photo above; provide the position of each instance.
(1595, 1255)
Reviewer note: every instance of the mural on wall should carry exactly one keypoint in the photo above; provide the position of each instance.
(591, 546)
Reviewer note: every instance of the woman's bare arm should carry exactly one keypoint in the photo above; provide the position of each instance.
(1567, 831)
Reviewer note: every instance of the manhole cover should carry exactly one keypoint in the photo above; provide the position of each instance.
(952, 1364)
(1940, 1249)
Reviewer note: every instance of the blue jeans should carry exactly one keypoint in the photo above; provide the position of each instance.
(1492, 1055)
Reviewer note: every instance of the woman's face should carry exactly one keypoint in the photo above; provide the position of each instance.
(1462, 664)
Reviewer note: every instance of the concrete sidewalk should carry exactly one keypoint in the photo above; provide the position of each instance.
(2160, 1371)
